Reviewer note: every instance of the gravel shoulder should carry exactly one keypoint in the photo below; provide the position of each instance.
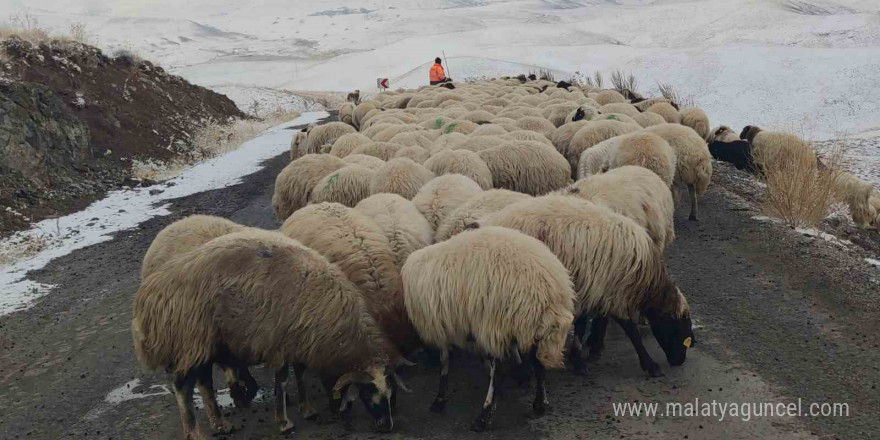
(781, 316)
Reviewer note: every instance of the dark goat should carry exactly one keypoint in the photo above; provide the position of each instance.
(563, 85)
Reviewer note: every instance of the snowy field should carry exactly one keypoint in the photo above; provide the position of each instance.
(769, 62)
(125, 209)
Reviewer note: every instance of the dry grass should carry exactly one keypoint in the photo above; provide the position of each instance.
(24, 246)
(212, 140)
(671, 94)
(329, 100)
(25, 26)
(801, 189)
(624, 81)
(79, 33)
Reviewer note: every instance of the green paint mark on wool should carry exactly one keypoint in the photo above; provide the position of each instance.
(331, 180)
(450, 128)
(438, 123)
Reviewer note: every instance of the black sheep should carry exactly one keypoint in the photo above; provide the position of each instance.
(563, 85)
(738, 153)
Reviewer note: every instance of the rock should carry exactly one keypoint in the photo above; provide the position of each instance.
(41, 141)
(154, 192)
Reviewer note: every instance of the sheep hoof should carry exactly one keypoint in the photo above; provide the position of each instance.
(224, 427)
(479, 425)
(239, 398)
(578, 365)
(438, 406)
(540, 407)
(286, 429)
(307, 412)
(654, 370)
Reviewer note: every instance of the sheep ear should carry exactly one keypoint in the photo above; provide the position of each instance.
(400, 384)
(358, 377)
(398, 361)
(350, 396)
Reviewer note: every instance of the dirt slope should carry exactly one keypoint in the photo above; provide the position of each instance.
(781, 317)
(74, 119)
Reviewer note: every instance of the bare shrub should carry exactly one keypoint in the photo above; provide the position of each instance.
(23, 246)
(213, 139)
(800, 187)
(24, 25)
(597, 78)
(624, 81)
(79, 33)
(671, 94)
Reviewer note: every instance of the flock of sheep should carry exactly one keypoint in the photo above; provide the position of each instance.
(488, 217)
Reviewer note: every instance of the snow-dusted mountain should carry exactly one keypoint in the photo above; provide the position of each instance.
(769, 62)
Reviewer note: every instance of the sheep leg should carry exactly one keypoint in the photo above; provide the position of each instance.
(632, 331)
(305, 408)
(236, 386)
(484, 420)
(518, 369)
(334, 399)
(183, 391)
(596, 341)
(541, 401)
(285, 426)
(250, 383)
(692, 196)
(575, 355)
(206, 390)
(439, 404)
(242, 386)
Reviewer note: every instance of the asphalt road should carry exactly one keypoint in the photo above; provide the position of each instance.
(781, 317)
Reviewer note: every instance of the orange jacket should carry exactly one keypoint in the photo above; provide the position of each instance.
(437, 73)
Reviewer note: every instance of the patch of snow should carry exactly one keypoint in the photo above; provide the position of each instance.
(823, 235)
(261, 101)
(125, 209)
(873, 262)
(132, 390)
(126, 392)
(764, 218)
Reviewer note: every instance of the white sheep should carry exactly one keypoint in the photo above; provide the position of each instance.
(493, 291)
(294, 184)
(616, 268)
(476, 208)
(287, 300)
(400, 176)
(635, 192)
(693, 160)
(404, 226)
(442, 195)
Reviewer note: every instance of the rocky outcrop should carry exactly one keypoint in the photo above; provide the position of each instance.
(73, 120)
(40, 140)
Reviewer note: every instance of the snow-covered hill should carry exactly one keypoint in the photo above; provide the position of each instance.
(775, 63)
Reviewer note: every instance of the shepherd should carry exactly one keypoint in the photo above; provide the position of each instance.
(437, 75)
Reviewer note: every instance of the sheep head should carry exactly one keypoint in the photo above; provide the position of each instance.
(670, 317)
(374, 391)
(749, 132)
